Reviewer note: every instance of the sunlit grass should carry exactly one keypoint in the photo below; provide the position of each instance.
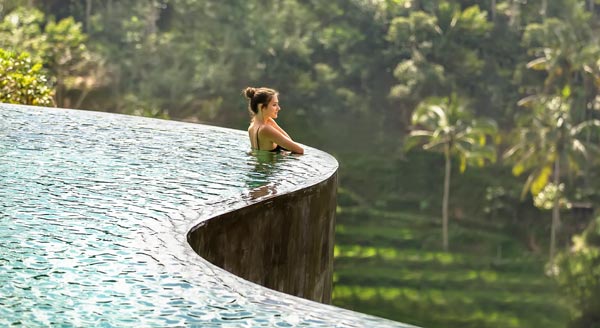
(389, 253)
(463, 279)
(375, 231)
(506, 309)
(392, 266)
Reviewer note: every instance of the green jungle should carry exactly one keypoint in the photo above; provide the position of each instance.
(467, 131)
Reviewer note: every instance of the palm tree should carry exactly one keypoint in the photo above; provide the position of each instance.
(551, 139)
(547, 144)
(444, 125)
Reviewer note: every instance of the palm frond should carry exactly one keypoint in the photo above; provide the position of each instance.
(578, 147)
(415, 138)
(433, 144)
(421, 133)
(576, 130)
(528, 101)
(538, 64)
(485, 126)
(526, 186)
(540, 180)
(485, 152)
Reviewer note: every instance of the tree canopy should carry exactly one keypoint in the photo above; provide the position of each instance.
(352, 75)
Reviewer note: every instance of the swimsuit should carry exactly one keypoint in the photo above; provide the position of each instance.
(274, 150)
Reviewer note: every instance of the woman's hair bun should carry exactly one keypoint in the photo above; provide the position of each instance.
(249, 92)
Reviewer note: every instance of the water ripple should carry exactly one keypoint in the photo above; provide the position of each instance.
(94, 211)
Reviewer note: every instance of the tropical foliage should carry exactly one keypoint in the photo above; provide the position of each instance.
(448, 127)
(59, 46)
(580, 277)
(548, 143)
(558, 135)
(352, 76)
(23, 81)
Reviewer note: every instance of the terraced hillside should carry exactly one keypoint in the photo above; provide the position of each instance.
(390, 264)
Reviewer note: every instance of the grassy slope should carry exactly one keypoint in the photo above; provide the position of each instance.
(389, 263)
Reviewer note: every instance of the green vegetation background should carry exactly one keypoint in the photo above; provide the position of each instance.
(350, 73)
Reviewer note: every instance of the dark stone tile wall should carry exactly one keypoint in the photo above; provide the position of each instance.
(284, 242)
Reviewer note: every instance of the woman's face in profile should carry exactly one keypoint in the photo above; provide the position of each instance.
(272, 108)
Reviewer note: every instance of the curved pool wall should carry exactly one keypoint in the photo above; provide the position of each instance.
(283, 243)
(95, 212)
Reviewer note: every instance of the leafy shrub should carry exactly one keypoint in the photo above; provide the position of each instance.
(22, 81)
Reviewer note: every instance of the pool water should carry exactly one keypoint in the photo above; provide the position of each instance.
(94, 213)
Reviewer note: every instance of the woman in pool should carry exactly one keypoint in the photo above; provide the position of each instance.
(264, 132)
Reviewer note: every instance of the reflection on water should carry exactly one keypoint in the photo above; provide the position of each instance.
(264, 165)
(263, 191)
(94, 213)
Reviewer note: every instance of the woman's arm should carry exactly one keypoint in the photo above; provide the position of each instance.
(274, 124)
(282, 139)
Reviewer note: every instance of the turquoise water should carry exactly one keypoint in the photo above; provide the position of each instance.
(94, 213)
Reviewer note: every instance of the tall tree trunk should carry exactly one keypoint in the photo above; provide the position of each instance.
(544, 8)
(555, 212)
(88, 13)
(109, 8)
(591, 93)
(58, 95)
(515, 12)
(446, 196)
(493, 10)
(152, 19)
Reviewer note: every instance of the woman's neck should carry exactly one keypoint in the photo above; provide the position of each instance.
(259, 118)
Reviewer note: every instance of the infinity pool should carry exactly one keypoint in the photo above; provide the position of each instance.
(94, 213)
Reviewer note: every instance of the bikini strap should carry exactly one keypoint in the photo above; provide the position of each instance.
(257, 144)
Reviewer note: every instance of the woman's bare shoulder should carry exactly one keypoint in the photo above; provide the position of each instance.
(251, 126)
(267, 129)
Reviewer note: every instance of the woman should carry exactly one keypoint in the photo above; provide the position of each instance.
(264, 132)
